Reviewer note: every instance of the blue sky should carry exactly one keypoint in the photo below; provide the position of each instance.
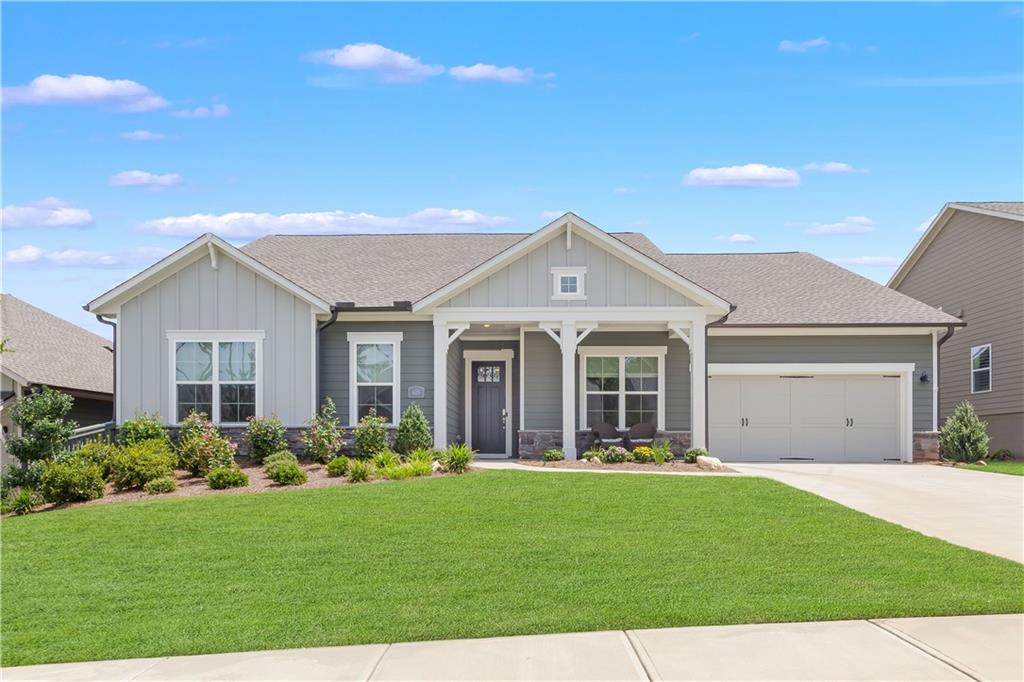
(837, 129)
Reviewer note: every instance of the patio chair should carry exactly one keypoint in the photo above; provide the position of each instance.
(607, 434)
(640, 434)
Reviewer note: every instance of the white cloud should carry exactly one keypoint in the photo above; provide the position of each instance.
(736, 238)
(138, 178)
(216, 111)
(551, 215)
(691, 36)
(623, 190)
(48, 212)
(857, 224)
(869, 261)
(81, 258)
(142, 135)
(924, 226)
(490, 72)
(390, 66)
(944, 81)
(802, 45)
(126, 95)
(748, 175)
(832, 167)
(239, 225)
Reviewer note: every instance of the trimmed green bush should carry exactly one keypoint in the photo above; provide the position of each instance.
(98, 452)
(615, 454)
(360, 470)
(457, 458)
(553, 455)
(397, 472)
(280, 457)
(201, 447)
(71, 480)
(385, 458)
(324, 437)
(44, 429)
(963, 437)
(592, 454)
(222, 477)
(662, 453)
(693, 453)
(263, 437)
(144, 426)
(338, 466)
(371, 435)
(643, 454)
(164, 484)
(17, 476)
(136, 465)
(286, 473)
(413, 431)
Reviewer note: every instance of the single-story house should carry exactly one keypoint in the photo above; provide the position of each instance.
(45, 350)
(519, 342)
(970, 262)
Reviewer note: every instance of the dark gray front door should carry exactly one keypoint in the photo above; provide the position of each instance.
(489, 407)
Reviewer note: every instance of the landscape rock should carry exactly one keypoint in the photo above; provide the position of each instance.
(709, 463)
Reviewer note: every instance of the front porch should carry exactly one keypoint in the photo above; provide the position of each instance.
(516, 387)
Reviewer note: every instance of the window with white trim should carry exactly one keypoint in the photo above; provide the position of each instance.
(375, 375)
(568, 283)
(981, 368)
(622, 390)
(215, 377)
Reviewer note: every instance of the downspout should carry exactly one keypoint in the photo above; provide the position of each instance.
(113, 326)
(335, 309)
(938, 365)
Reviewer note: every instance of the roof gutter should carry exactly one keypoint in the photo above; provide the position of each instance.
(113, 326)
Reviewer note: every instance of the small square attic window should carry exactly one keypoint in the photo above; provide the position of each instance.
(569, 283)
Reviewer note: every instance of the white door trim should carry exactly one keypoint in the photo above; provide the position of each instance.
(504, 355)
(905, 370)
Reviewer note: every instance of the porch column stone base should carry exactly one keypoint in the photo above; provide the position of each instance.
(926, 446)
(533, 443)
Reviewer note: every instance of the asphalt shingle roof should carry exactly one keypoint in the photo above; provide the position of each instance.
(1011, 207)
(51, 351)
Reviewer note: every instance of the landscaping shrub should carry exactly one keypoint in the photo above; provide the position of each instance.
(98, 452)
(593, 454)
(963, 437)
(164, 484)
(360, 470)
(201, 447)
(283, 467)
(145, 426)
(1000, 455)
(264, 436)
(615, 454)
(553, 455)
(324, 437)
(413, 431)
(136, 465)
(427, 455)
(421, 468)
(643, 454)
(662, 453)
(338, 466)
(222, 477)
(371, 435)
(17, 476)
(71, 480)
(280, 457)
(386, 458)
(457, 458)
(397, 472)
(44, 429)
(693, 453)
(20, 501)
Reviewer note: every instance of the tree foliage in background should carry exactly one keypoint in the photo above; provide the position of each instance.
(44, 429)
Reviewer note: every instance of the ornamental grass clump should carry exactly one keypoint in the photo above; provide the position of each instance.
(324, 437)
(201, 447)
(385, 458)
(662, 453)
(263, 437)
(360, 470)
(457, 458)
(964, 437)
(413, 431)
(397, 472)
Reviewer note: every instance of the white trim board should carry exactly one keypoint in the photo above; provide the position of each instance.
(823, 331)
(502, 355)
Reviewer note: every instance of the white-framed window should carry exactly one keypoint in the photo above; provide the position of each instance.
(375, 376)
(216, 373)
(622, 386)
(981, 368)
(568, 283)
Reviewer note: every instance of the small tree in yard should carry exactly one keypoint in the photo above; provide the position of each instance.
(44, 429)
(324, 437)
(963, 437)
(413, 431)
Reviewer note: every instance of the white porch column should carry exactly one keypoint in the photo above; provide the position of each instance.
(568, 343)
(440, 384)
(698, 385)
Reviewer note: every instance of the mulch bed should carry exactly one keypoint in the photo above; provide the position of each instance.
(584, 465)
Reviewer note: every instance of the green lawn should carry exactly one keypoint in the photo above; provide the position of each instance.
(1014, 468)
(490, 553)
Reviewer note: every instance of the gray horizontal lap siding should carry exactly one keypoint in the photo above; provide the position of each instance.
(836, 349)
(230, 298)
(417, 360)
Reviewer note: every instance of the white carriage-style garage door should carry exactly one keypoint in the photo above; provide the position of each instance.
(805, 417)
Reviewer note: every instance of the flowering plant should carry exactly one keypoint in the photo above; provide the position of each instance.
(324, 437)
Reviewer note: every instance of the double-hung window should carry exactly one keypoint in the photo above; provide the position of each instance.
(217, 374)
(374, 375)
(622, 387)
(981, 368)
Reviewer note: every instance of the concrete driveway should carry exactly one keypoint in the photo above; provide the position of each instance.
(980, 510)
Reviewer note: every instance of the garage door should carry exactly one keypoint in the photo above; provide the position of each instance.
(804, 418)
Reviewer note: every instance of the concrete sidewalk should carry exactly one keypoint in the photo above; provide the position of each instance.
(952, 648)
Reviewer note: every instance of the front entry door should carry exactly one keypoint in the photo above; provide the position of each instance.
(489, 409)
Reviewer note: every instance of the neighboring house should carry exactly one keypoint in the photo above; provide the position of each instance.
(518, 342)
(970, 262)
(48, 351)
